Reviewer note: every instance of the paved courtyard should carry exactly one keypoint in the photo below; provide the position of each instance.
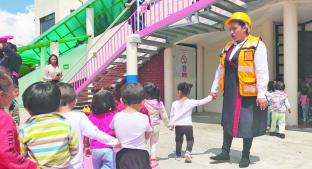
(294, 152)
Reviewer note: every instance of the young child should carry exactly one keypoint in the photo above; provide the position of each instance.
(80, 123)
(132, 129)
(47, 137)
(103, 107)
(279, 105)
(10, 157)
(305, 104)
(157, 112)
(13, 109)
(181, 118)
(271, 89)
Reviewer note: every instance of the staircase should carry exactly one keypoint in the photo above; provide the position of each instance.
(165, 24)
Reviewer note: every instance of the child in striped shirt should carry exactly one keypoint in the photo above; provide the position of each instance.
(47, 137)
(81, 124)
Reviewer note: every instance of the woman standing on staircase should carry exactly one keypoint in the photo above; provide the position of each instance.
(242, 77)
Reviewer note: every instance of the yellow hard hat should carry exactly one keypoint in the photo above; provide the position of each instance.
(242, 16)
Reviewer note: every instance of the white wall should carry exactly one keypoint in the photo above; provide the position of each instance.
(60, 7)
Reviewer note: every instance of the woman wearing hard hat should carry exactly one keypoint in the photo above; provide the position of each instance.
(242, 77)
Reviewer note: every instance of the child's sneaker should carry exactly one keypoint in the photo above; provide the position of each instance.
(188, 157)
(178, 158)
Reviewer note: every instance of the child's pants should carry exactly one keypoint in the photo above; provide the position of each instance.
(132, 159)
(280, 118)
(269, 118)
(154, 141)
(305, 112)
(103, 158)
(180, 131)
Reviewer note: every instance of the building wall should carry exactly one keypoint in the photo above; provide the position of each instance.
(60, 7)
(153, 71)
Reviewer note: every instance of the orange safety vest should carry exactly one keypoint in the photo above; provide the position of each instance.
(246, 66)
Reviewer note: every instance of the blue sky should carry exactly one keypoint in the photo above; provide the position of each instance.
(14, 6)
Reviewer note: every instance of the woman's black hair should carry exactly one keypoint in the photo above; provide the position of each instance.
(185, 88)
(151, 91)
(53, 55)
(42, 98)
(102, 102)
(132, 93)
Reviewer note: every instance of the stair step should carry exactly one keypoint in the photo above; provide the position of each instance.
(110, 77)
(187, 30)
(104, 82)
(118, 63)
(140, 50)
(157, 35)
(142, 58)
(214, 16)
(204, 27)
(115, 70)
(229, 6)
(172, 32)
(154, 43)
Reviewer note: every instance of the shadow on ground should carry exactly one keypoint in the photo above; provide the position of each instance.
(234, 154)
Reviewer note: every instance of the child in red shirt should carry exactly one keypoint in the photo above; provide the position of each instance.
(10, 157)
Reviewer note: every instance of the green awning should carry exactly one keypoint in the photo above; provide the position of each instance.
(73, 26)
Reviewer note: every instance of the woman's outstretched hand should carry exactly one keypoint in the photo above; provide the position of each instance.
(214, 95)
(262, 103)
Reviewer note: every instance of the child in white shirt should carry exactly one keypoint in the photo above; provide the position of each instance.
(132, 129)
(81, 124)
(181, 118)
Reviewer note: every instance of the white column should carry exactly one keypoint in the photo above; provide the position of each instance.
(90, 22)
(291, 59)
(132, 58)
(200, 75)
(54, 49)
(267, 36)
(168, 78)
(90, 29)
(43, 60)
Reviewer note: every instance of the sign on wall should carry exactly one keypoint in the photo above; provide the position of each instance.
(184, 67)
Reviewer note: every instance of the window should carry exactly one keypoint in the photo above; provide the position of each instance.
(47, 22)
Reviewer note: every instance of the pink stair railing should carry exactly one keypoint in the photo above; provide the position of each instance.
(162, 13)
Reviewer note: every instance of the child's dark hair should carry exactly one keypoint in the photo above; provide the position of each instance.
(102, 102)
(271, 86)
(279, 85)
(42, 98)
(305, 90)
(5, 80)
(185, 88)
(132, 93)
(67, 93)
(151, 91)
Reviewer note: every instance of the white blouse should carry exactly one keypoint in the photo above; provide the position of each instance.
(261, 68)
(50, 72)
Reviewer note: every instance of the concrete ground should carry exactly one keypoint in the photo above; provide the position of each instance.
(294, 152)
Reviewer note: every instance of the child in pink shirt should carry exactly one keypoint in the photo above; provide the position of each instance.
(305, 104)
(103, 112)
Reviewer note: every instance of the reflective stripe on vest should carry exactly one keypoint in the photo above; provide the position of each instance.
(246, 66)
